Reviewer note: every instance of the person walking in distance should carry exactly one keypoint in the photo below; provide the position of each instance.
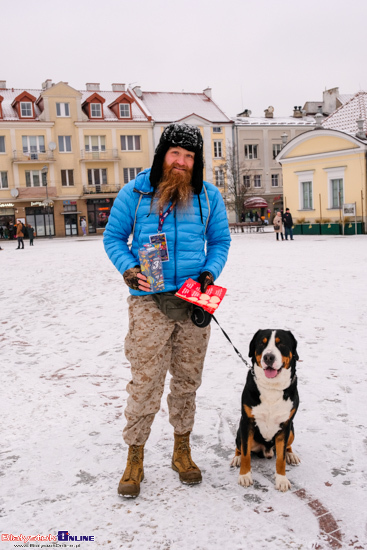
(20, 235)
(30, 234)
(83, 224)
(169, 203)
(278, 225)
(288, 224)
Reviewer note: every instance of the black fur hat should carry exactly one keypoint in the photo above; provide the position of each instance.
(185, 136)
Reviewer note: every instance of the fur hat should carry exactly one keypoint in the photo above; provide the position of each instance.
(185, 136)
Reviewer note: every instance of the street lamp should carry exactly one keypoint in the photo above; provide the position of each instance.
(46, 203)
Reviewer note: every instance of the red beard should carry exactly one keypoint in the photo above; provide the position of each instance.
(175, 187)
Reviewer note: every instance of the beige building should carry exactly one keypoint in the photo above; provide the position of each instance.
(65, 154)
(258, 141)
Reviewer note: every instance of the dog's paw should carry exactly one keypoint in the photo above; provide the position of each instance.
(245, 480)
(282, 483)
(236, 461)
(292, 458)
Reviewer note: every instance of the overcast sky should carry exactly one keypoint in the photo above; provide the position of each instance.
(251, 53)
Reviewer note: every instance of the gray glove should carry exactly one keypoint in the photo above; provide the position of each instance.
(131, 277)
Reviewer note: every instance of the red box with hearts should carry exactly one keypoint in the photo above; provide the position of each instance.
(190, 291)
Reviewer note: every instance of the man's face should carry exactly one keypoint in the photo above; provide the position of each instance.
(180, 159)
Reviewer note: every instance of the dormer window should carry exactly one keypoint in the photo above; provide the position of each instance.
(95, 110)
(125, 110)
(26, 109)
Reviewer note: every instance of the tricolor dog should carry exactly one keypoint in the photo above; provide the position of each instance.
(269, 404)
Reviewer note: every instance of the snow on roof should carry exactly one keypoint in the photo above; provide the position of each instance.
(172, 106)
(346, 116)
(9, 112)
(276, 121)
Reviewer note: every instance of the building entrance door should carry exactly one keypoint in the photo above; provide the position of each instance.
(71, 224)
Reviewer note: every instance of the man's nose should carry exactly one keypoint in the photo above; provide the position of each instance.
(180, 160)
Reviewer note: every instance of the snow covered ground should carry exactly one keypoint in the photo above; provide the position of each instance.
(63, 377)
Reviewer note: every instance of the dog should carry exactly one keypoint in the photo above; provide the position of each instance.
(269, 404)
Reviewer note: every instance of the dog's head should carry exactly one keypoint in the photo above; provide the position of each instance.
(274, 354)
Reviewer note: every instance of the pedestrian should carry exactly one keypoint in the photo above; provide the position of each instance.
(83, 224)
(1, 232)
(251, 216)
(20, 235)
(30, 230)
(288, 224)
(173, 205)
(278, 225)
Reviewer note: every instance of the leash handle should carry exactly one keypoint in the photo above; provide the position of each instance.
(229, 340)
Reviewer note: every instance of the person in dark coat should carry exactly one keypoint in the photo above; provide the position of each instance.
(30, 231)
(288, 224)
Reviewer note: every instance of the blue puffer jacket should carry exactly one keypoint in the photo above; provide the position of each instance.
(191, 250)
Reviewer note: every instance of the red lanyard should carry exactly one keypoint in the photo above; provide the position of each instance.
(162, 216)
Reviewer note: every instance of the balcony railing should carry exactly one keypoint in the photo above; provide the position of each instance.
(33, 156)
(102, 188)
(108, 154)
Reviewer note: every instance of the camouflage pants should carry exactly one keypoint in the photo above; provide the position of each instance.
(154, 345)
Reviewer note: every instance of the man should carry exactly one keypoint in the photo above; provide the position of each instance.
(169, 204)
(288, 224)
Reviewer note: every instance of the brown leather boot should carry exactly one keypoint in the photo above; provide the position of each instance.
(129, 485)
(182, 462)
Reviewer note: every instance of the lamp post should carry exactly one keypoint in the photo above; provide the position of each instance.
(46, 203)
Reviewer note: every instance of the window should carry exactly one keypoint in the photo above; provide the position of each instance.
(95, 143)
(2, 144)
(306, 195)
(219, 177)
(130, 143)
(337, 193)
(33, 145)
(246, 181)
(124, 110)
(274, 180)
(277, 147)
(95, 110)
(250, 152)
(257, 181)
(62, 109)
(130, 174)
(217, 129)
(217, 149)
(97, 176)
(67, 178)
(35, 178)
(26, 109)
(65, 144)
(4, 180)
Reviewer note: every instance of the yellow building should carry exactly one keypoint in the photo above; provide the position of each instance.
(325, 168)
(65, 154)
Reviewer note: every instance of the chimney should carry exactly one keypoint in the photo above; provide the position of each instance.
(2, 84)
(208, 92)
(118, 87)
(47, 84)
(361, 134)
(138, 91)
(92, 87)
(246, 113)
(269, 112)
(297, 112)
(319, 118)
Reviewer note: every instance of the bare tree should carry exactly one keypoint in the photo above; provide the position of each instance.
(235, 189)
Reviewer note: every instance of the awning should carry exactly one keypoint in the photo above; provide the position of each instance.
(255, 202)
(71, 212)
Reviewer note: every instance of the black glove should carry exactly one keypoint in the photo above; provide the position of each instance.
(131, 277)
(205, 279)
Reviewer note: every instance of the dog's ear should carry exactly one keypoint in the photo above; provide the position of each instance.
(294, 345)
(251, 351)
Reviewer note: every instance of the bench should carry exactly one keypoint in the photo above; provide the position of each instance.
(246, 227)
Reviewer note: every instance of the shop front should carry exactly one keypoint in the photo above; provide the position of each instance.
(7, 218)
(41, 218)
(98, 213)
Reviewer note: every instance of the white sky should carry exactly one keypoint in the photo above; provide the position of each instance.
(252, 53)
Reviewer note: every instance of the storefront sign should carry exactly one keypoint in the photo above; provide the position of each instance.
(36, 203)
(349, 209)
(69, 203)
(7, 205)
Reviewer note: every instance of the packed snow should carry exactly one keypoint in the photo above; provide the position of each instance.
(63, 378)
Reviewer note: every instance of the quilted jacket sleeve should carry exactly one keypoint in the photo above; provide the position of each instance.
(218, 235)
(119, 227)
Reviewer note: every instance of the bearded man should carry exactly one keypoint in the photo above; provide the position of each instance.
(168, 204)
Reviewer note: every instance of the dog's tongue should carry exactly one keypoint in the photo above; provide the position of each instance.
(270, 373)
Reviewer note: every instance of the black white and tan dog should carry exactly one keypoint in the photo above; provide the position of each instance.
(269, 404)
